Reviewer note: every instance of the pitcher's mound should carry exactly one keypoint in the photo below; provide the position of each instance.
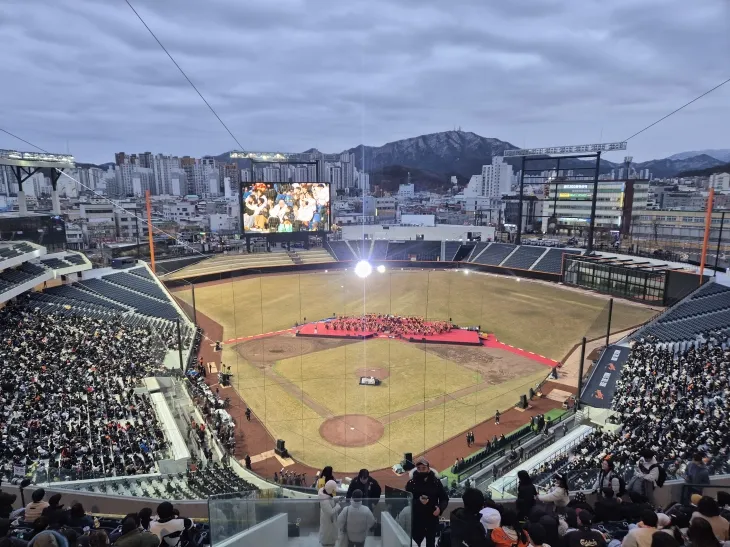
(376, 372)
(351, 430)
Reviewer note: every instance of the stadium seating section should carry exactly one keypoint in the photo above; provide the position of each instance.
(421, 250)
(67, 261)
(523, 258)
(380, 250)
(552, 262)
(14, 277)
(706, 311)
(341, 250)
(452, 247)
(494, 254)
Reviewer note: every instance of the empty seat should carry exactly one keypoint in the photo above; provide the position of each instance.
(495, 254)
(552, 261)
(523, 258)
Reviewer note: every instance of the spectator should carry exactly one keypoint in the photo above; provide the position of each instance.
(537, 535)
(584, 535)
(134, 536)
(12, 541)
(355, 521)
(49, 538)
(324, 477)
(552, 529)
(35, 508)
(510, 532)
(723, 501)
(664, 540)
(78, 518)
(168, 527)
(328, 511)
(634, 509)
(708, 509)
(697, 474)
(579, 503)
(607, 506)
(491, 517)
(55, 512)
(145, 517)
(72, 537)
(367, 485)
(608, 478)
(98, 538)
(526, 493)
(466, 526)
(642, 534)
(6, 504)
(701, 534)
(558, 494)
(429, 502)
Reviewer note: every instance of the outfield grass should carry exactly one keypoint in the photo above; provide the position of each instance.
(546, 319)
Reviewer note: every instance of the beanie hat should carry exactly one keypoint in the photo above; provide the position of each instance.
(422, 461)
(330, 487)
(473, 500)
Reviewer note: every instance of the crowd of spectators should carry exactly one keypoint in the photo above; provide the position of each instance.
(671, 406)
(68, 405)
(284, 207)
(389, 324)
(49, 523)
(544, 519)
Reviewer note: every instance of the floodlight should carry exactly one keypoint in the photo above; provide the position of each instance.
(363, 269)
(381, 269)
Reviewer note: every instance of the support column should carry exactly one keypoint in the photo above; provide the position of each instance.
(591, 226)
(518, 240)
(55, 201)
(22, 204)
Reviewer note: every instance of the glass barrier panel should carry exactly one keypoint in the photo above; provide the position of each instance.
(273, 521)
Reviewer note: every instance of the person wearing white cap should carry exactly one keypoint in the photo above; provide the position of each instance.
(328, 510)
(429, 502)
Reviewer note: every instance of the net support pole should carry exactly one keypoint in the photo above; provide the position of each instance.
(592, 225)
(610, 313)
(150, 237)
(518, 239)
(179, 345)
(719, 241)
(580, 372)
(195, 315)
(708, 224)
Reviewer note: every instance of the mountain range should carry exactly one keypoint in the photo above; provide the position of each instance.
(432, 159)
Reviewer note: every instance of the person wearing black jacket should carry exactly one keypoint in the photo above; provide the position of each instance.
(367, 485)
(429, 501)
(608, 507)
(526, 494)
(466, 527)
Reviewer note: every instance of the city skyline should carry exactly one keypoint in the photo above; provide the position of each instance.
(532, 74)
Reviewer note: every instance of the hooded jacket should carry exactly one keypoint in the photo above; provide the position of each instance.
(467, 529)
(355, 521)
(426, 484)
(328, 510)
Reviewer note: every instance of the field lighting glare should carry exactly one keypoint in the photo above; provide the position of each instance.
(363, 269)
(381, 269)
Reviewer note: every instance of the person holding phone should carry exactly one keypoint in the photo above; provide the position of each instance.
(429, 502)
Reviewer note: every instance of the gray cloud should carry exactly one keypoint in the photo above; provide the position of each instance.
(293, 74)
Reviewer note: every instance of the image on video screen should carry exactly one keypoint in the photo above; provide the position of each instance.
(280, 207)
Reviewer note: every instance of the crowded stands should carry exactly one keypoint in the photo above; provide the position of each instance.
(671, 406)
(69, 408)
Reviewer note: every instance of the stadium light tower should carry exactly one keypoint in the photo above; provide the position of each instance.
(381, 269)
(363, 269)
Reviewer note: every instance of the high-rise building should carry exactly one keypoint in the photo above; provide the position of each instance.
(145, 159)
(120, 158)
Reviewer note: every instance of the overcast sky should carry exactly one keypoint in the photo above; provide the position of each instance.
(293, 74)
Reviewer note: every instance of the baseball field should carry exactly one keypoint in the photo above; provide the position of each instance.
(307, 390)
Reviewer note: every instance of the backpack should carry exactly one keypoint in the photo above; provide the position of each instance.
(662, 474)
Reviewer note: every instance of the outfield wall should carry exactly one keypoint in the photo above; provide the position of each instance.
(342, 265)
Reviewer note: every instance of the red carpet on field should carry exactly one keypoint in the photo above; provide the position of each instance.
(491, 342)
(455, 336)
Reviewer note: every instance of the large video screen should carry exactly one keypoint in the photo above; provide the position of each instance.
(281, 207)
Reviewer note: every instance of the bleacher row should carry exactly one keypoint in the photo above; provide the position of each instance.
(705, 312)
(67, 261)
(14, 277)
(110, 295)
(12, 251)
(505, 255)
